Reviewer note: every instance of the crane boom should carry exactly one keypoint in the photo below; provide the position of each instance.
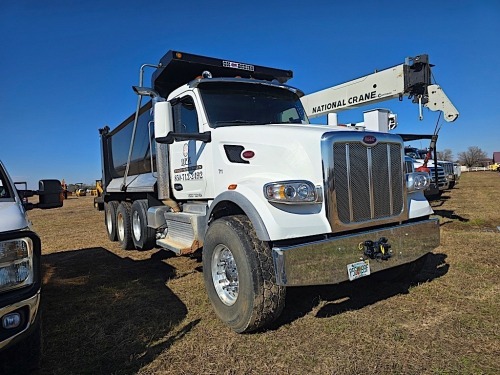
(411, 79)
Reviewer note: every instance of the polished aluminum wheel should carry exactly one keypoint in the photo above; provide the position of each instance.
(120, 226)
(136, 225)
(225, 275)
(109, 223)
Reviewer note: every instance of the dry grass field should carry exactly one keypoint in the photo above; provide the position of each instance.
(109, 311)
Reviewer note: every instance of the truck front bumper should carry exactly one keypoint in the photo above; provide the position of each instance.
(326, 261)
(27, 309)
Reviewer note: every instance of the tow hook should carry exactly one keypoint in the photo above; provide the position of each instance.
(379, 250)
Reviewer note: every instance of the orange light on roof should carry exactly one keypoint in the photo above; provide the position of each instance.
(178, 55)
(232, 187)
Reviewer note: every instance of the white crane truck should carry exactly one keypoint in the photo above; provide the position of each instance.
(223, 158)
(21, 273)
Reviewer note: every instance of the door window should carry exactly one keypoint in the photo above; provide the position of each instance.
(185, 116)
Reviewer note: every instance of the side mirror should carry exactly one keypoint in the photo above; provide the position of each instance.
(164, 127)
(49, 194)
(164, 123)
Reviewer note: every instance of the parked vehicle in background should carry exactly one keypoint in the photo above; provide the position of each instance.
(80, 190)
(449, 171)
(20, 273)
(433, 191)
(439, 180)
(494, 167)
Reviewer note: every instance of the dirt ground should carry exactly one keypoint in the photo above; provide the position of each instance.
(109, 311)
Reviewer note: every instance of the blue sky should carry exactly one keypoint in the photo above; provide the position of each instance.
(67, 67)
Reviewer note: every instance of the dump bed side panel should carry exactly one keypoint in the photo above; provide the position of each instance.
(116, 146)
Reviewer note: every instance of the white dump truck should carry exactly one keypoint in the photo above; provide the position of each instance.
(223, 158)
(20, 273)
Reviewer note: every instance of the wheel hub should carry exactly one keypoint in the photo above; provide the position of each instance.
(136, 225)
(225, 275)
(120, 226)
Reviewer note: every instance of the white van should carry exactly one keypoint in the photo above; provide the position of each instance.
(20, 273)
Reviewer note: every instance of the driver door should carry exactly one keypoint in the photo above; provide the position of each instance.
(188, 158)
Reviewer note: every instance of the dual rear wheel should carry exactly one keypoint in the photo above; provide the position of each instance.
(126, 223)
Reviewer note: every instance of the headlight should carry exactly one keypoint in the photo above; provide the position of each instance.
(292, 192)
(417, 181)
(16, 263)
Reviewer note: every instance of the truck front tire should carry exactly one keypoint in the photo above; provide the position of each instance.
(110, 209)
(123, 226)
(142, 235)
(239, 275)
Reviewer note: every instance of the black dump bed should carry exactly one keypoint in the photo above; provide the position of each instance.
(179, 68)
(116, 143)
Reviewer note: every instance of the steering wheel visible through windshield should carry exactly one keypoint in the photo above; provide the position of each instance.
(237, 103)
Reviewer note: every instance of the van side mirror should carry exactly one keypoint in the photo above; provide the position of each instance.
(49, 194)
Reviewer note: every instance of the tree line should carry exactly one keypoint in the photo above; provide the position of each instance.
(473, 157)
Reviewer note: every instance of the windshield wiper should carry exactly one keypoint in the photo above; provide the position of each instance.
(236, 122)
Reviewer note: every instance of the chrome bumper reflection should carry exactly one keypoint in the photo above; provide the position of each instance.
(325, 262)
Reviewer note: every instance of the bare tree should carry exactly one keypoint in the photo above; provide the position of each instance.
(446, 154)
(472, 157)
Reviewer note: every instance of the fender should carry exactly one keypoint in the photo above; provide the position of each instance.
(250, 211)
(274, 222)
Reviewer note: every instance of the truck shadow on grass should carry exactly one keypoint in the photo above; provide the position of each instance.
(332, 300)
(450, 214)
(103, 314)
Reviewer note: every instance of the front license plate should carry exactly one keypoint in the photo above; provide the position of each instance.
(358, 269)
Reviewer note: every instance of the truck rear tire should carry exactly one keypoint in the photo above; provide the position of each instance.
(142, 235)
(110, 209)
(123, 226)
(239, 275)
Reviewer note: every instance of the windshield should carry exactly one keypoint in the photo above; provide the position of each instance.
(4, 185)
(229, 104)
(415, 153)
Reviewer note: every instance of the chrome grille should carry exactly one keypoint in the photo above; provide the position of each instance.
(448, 167)
(441, 176)
(365, 184)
